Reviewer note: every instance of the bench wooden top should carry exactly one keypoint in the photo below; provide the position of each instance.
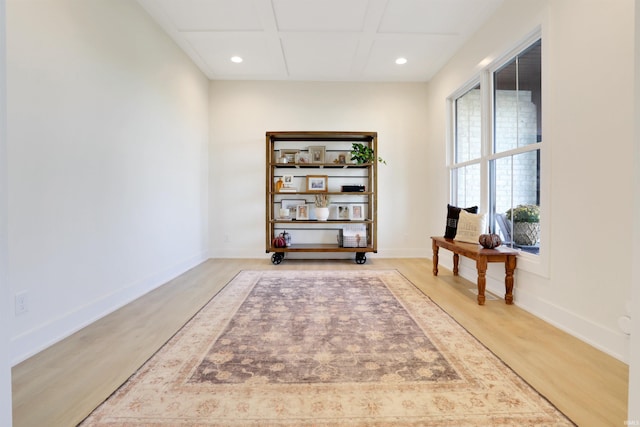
(473, 250)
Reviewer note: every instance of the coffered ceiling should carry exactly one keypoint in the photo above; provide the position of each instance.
(320, 40)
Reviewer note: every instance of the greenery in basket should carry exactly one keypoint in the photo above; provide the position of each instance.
(524, 213)
(322, 201)
(363, 154)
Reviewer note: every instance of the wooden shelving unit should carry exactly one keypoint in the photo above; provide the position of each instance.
(313, 235)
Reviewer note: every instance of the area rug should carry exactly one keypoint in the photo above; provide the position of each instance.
(324, 348)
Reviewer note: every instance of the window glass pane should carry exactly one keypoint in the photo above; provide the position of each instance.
(467, 122)
(517, 101)
(517, 183)
(467, 186)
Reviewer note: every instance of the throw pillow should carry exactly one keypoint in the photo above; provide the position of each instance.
(470, 227)
(453, 213)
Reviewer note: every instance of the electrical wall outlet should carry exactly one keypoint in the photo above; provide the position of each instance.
(21, 303)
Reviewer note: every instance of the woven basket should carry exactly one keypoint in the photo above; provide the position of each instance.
(526, 233)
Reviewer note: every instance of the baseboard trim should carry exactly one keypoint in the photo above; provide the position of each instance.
(43, 336)
(382, 253)
(611, 342)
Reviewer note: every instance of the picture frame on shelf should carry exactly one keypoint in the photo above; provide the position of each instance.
(287, 184)
(343, 212)
(317, 183)
(356, 212)
(291, 204)
(338, 157)
(302, 158)
(290, 155)
(317, 154)
(302, 213)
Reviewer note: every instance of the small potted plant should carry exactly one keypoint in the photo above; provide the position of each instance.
(363, 154)
(322, 202)
(526, 224)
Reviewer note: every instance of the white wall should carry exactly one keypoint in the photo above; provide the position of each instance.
(5, 366)
(588, 135)
(241, 113)
(634, 365)
(107, 140)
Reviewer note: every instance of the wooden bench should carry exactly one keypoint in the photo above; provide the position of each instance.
(482, 256)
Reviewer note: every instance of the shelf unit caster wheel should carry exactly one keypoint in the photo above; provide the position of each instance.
(277, 258)
(361, 258)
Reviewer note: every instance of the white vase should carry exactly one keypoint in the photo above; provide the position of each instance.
(322, 214)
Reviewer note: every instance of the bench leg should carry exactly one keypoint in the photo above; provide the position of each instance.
(481, 265)
(435, 247)
(509, 266)
(456, 260)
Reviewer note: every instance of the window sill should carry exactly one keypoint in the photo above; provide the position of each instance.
(534, 264)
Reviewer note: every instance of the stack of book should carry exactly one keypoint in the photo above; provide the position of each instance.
(285, 189)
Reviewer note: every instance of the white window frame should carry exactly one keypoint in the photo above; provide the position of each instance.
(451, 151)
(536, 264)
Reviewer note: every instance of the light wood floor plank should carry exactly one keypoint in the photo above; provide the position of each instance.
(61, 385)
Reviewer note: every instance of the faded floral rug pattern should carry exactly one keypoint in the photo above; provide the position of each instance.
(323, 348)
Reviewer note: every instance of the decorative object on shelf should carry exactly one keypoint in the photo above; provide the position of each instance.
(291, 204)
(287, 237)
(353, 236)
(284, 213)
(343, 212)
(287, 184)
(316, 154)
(356, 212)
(322, 207)
(317, 183)
(322, 200)
(526, 224)
(279, 184)
(289, 155)
(279, 242)
(353, 188)
(302, 212)
(322, 214)
(489, 241)
(341, 158)
(364, 154)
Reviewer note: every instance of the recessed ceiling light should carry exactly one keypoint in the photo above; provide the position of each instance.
(401, 61)
(236, 59)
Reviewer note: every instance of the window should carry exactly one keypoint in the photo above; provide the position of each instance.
(465, 173)
(497, 143)
(468, 141)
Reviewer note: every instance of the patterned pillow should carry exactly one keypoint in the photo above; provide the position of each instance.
(471, 226)
(453, 213)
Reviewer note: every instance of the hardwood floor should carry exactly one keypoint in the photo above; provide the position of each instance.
(62, 385)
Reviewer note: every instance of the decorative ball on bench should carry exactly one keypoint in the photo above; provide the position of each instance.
(490, 241)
